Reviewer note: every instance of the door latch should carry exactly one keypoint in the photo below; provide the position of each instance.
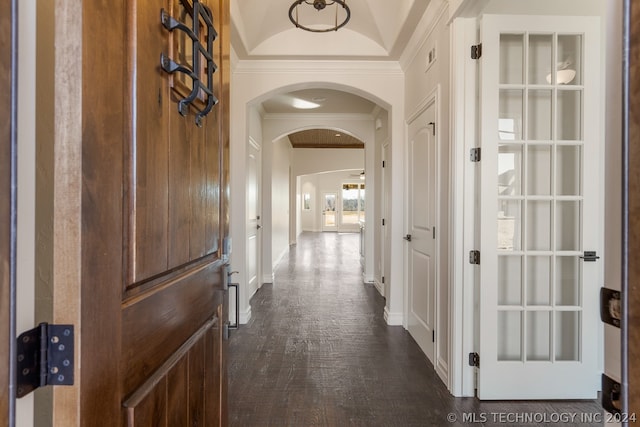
(45, 357)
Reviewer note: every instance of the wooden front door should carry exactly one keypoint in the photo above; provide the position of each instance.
(6, 241)
(154, 215)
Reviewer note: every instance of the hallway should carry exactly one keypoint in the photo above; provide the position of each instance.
(317, 352)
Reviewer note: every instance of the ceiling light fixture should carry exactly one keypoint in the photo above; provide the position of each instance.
(321, 20)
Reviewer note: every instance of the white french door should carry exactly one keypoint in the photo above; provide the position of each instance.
(330, 212)
(540, 207)
(421, 243)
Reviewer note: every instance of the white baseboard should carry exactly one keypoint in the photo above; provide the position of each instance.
(393, 319)
(245, 316)
(369, 279)
(379, 286)
(442, 369)
(268, 278)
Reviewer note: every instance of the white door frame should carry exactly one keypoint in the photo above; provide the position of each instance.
(432, 98)
(464, 186)
(463, 235)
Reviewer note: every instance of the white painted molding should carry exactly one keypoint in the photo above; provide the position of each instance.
(423, 31)
(369, 279)
(380, 287)
(320, 116)
(268, 278)
(393, 319)
(442, 369)
(293, 66)
(245, 315)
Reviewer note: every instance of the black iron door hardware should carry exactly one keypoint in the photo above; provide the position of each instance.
(45, 357)
(590, 256)
(407, 237)
(201, 13)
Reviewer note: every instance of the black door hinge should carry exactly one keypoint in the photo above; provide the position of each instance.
(476, 51)
(610, 306)
(45, 357)
(383, 280)
(433, 335)
(611, 395)
(384, 164)
(383, 221)
(474, 257)
(474, 360)
(433, 127)
(474, 155)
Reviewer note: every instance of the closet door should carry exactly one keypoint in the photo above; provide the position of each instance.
(541, 211)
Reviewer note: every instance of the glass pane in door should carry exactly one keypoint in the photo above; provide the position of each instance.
(540, 200)
(329, 210)
(349, 204)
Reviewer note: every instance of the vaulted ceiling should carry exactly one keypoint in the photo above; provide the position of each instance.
(378, 29)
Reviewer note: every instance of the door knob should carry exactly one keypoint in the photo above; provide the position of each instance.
(407, 237)
(258, 226)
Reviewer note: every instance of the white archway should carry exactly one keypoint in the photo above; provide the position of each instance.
(380, 83)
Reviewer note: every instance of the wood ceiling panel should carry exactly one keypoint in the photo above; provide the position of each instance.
(323, 138)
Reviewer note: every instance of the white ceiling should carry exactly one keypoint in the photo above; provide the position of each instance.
(378, 29)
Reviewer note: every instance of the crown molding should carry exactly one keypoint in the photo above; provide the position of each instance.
(319, 116)
(249, 66)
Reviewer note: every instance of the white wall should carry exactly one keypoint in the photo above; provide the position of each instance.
(307, 161)
(280, 199)
(25, 316)
(420, 83)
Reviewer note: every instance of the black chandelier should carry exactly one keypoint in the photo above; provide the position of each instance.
(315, 23)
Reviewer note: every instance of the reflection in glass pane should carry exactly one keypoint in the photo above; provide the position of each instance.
(539, 170)
(509, 170)
(568, 172)
(568, 225)
(510, 115)
(567, 280)
(569, 60)
(569, 115)
(539, 115)
(538, 335)
(509, 335)
(509, 280)
(511, 58)
(567, 331)
(538, 280)
(540, 58)
(509, 225)
(539, 225)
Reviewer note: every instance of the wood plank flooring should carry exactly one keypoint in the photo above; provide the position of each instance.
(317, 352)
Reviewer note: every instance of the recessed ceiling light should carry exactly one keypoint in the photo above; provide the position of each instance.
(303, 104)
(338, 135)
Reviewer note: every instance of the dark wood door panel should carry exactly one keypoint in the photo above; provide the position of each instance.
(175, 393)
(175, 169)
(148, 140)
(157, 323)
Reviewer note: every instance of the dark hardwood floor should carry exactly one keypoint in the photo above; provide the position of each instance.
(317, 352)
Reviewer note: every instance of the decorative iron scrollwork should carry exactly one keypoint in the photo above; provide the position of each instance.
(199, 14)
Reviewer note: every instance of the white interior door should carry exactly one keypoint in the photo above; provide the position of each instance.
(253, 216)
(329, 211)
(422, 261)
(540, 204)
